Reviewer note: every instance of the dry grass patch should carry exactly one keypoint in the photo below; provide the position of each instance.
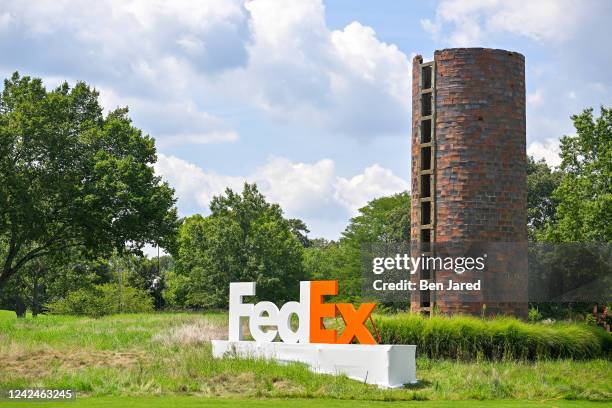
(191, 334)
(249, 384)
(286, 386)
(42, 362)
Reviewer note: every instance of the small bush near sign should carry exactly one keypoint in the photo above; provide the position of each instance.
(102, 300)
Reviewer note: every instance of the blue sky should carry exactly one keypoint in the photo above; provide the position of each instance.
(309, 99)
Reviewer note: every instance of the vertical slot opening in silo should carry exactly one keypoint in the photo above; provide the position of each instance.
(425, 272)
(425, 298)
(426, 104)
(425, 239)
(425, 185)
(426, 212)
(426, 72)
(426, 158)
(426, 131)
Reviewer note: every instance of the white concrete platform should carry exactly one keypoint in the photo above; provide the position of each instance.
(388, 366)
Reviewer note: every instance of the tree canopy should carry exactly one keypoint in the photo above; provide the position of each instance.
(542, 181)
(584, 212)
(244, 239)
(384, 219)
(72, 177)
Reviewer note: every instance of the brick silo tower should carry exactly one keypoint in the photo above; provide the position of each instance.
(468, 161)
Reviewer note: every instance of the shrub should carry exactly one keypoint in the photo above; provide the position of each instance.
(534, 315)
(502, 338)
(177, 290)
(103, 300)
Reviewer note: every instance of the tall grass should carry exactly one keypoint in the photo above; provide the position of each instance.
(169, 354)
(502, 338)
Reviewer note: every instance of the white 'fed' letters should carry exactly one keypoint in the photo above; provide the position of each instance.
(268, 314)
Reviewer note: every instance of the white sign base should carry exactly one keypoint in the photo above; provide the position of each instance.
(388, 366)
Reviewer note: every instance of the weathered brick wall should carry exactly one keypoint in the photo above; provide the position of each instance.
(480, 169)
(481, 179)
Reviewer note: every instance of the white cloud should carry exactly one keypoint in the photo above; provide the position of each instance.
(598, 87)
(5, 20)
(374, 182)
(171, 122)
(194, 187)
(154, 56)
(181, 122)
(547, 150)
(344, 80)
(299, 188)
(535, 98)
(310, 191)
(471, 22)
(282, 59)
(371, 87)
(558, 37)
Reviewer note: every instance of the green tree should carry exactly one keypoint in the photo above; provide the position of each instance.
(103, 300)
(29, 288)
(244, 239)
(141, 273)
(71, 177)
(48, 278)
(382, 220)
(71, 271)
(329, 260)
(584, 212)
(300, 230)
(542, 181)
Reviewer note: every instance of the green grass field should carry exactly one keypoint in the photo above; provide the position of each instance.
(196, 402)
(168, 356)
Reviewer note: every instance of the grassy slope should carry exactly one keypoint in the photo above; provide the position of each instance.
(166, 354)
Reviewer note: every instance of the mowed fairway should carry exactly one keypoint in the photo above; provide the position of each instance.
(205, 402)
(165, 360)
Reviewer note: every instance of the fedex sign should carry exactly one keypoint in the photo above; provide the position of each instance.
(310, 310)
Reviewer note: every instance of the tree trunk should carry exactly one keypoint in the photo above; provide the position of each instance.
(35, 293)
(20, 307)
(35, 301)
